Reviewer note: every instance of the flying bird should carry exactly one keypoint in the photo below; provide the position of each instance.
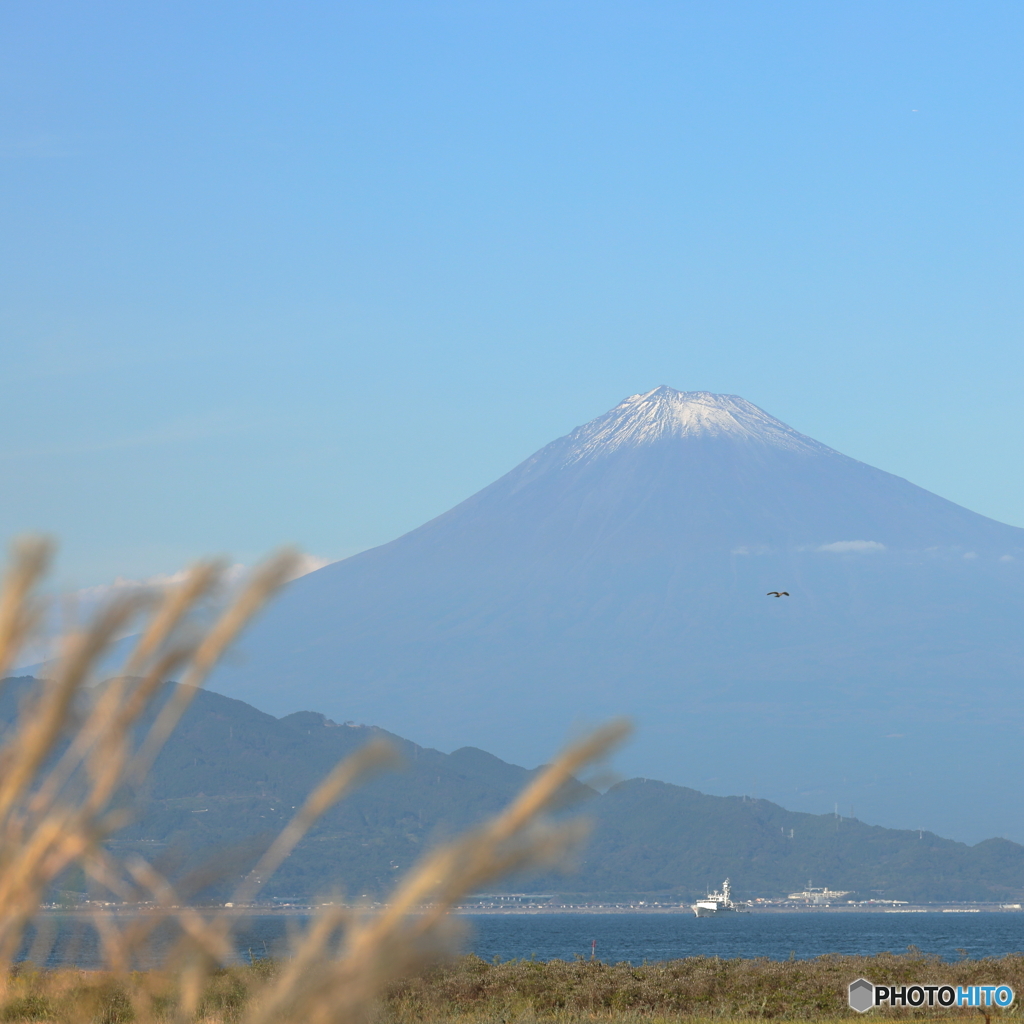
(777, 593)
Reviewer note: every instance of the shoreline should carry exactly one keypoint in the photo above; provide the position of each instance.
(306, 910)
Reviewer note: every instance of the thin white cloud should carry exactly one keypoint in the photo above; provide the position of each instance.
(182, 431)
(310, 563)
(1006, 558)
(232, 576)
(79, 606)
(842, 547)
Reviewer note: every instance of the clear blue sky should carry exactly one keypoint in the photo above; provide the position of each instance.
(316, 271)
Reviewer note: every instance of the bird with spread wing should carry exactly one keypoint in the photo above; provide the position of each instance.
(777, 593)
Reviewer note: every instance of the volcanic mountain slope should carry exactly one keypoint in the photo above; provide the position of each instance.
(623, 569)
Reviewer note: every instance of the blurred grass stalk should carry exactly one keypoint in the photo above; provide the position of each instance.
(78, 751)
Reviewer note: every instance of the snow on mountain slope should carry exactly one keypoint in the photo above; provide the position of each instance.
(623, 569)
(665, 413)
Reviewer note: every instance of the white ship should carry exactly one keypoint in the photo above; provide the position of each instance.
(817, 897)
(716, 903)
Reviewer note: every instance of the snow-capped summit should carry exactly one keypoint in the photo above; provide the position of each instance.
(665, 412)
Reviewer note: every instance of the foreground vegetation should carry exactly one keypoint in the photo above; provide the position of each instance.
(76, 755)
(471, 991)
(696, 988)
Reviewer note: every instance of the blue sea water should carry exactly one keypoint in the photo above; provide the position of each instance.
(639, 937)
(633, 937)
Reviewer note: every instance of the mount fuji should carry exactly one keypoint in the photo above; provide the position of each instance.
(624, 569)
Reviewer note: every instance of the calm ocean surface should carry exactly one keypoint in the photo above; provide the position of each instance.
(639, 937)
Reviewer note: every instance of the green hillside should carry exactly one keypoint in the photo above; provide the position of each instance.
(653, 837)
(231, 775)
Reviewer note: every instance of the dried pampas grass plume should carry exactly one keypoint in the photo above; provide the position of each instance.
(75, 751)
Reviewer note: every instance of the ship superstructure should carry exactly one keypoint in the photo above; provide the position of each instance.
(717, 903)
(818, 897)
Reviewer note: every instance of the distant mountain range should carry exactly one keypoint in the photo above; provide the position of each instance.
(624, 568)
(231, 775)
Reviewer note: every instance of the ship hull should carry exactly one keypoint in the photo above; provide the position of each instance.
(703, 910)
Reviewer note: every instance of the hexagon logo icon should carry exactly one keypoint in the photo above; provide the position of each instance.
(861, 995)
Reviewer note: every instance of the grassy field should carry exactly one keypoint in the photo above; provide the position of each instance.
(695, 988)
(469, 990)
